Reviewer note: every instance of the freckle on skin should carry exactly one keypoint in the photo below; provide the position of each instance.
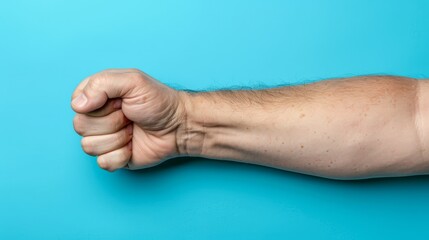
(302, 146)
(302, 115)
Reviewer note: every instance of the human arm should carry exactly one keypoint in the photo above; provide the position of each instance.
(360, 127)
(351, 128)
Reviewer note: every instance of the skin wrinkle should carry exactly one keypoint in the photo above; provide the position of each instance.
(183, 118)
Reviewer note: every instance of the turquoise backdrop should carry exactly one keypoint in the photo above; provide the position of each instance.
(50, 189)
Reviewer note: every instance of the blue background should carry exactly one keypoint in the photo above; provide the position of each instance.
(49, 188)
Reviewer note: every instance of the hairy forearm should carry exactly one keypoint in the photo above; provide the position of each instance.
(351, 128)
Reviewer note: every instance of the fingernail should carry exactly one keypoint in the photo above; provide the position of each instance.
(80, 100)
(117, 104)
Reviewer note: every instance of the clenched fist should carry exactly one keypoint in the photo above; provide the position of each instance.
(127, 118)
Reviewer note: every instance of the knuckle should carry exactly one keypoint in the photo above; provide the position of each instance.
(136, 76)
(97, 81)
(94, 83)
(77, 125)
(87, 146)
(75, 94)
(103, 163)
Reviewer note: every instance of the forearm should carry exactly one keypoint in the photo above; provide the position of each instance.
(344, 128)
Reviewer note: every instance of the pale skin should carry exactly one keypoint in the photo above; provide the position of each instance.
(350, 128)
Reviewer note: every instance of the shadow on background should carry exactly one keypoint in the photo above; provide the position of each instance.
(180, 162)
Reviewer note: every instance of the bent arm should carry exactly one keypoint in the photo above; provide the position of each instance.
(353, 128)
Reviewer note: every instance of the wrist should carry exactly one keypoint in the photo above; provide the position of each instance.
(212, 126)
(190, 133)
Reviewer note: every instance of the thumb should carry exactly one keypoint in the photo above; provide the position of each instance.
(99, 89)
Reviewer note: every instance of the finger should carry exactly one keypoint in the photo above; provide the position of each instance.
(116, 159)
(98, 145)
(111, 106)
(86, 125)
(102, 86)
(79, 88)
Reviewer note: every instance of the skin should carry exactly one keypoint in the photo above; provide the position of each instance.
(354, 128)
